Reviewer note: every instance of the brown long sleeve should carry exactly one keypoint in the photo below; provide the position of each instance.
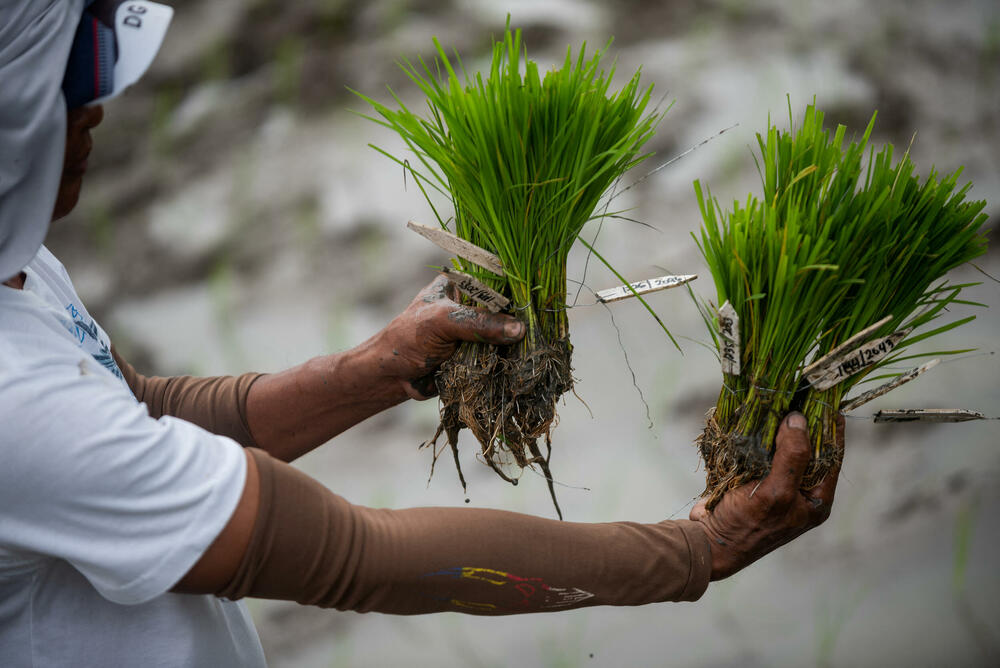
(217, 404)
(313, 547)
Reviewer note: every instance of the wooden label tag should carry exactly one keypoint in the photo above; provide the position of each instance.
(846, 346)
(477, 290)
(929, 415)
(729, 332)
(642, 287)
(460, 247)
(863, 399)
(850, 363)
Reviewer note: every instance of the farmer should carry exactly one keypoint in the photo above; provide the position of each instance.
(136, 512)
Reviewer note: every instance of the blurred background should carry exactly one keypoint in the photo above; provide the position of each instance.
(236, 219)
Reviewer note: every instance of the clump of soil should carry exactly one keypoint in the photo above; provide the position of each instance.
(507, 398)
(733, 459)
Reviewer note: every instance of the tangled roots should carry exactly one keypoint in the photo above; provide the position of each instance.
(507, 399)
(732, 459)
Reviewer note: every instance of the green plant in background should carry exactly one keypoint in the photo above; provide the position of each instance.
(525, 160)
(835, 610)
(164, 106)
(216, 61)
(102, 230)
(836, 244)
(289, 61)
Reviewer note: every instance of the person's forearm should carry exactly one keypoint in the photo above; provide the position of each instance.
(294, 411)
(311, 546)
(286, 414)
(216, 404)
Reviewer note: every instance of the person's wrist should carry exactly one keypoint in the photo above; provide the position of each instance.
(719, 551)
(360, 374)
(379, 363)
(700, 545)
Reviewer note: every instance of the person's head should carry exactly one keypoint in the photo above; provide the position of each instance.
(115, 43)
(58, 62)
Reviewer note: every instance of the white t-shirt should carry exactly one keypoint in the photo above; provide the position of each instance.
(102, 508)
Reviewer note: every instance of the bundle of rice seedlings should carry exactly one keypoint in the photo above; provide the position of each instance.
(525, 160)
(837, 245)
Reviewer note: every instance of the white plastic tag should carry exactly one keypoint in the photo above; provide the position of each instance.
(848, 364)
(729, 333)
(846, 346)
(642, 287)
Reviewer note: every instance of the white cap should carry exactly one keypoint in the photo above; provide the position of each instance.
(139, 27)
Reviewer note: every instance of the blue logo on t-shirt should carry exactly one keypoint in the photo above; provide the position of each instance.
(98, 348)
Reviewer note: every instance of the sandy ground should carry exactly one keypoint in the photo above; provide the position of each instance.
(236, 220)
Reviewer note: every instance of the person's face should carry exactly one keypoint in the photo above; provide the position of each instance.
(79, 123)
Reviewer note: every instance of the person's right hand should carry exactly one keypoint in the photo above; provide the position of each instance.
(412, 346)
(758, 517)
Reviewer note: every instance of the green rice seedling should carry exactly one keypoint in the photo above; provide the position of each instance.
(525, 159)
(836, 244)
(915, 231)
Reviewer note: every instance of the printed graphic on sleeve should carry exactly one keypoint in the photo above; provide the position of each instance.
(512, 592)
(88, 337)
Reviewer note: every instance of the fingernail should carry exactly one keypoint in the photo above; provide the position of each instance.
(796, 421)
(513, 329)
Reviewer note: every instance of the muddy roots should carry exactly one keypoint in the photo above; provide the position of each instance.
(732, 459)
(507, 399)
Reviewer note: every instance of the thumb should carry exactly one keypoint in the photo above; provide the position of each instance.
(464, 323)
(791, 456)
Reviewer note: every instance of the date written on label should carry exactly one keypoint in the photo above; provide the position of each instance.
(642, 287)
(476, 290)
(729, 331)
(861, 358)
(846, 347)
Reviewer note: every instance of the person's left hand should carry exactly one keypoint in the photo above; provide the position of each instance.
(418, 340)
(755, 518)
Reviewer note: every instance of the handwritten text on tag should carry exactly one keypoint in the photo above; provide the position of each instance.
(857, 360)
(729, 331)
(642, 287)
(477, 290)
